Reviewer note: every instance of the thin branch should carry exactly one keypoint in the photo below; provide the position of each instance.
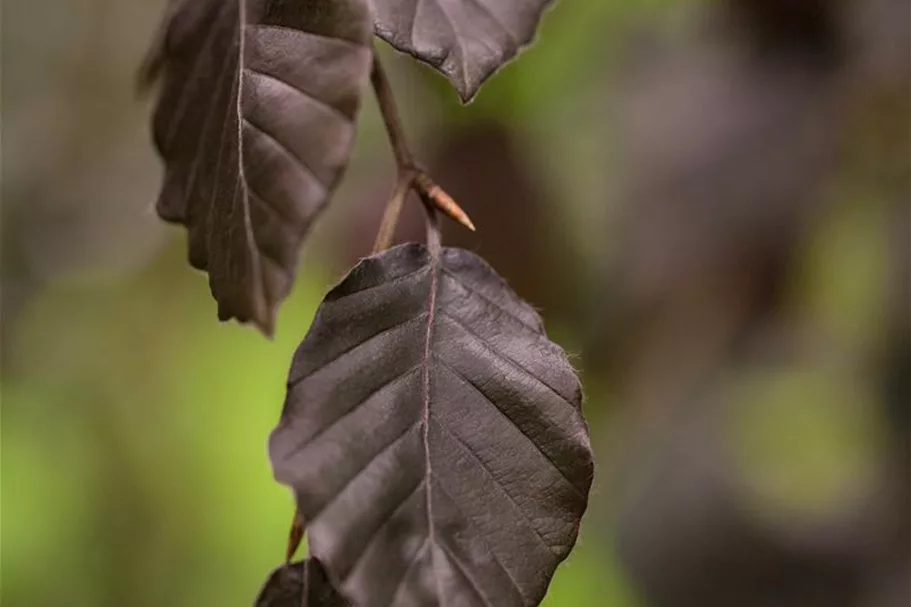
(404, 159)
(434, 238)
(393, 210)
(295, 535)
(409, 175)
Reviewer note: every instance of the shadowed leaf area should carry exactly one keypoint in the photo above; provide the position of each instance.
(433, 436)
(255, 122)
(302, 584)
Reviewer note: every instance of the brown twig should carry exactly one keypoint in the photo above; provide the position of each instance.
(434, 238)
(393, 208)
(295, 536)
(409, 175)
(390, 112)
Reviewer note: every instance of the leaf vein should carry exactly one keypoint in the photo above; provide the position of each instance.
(200, 146)
(425, 399)
(282, 214)
(455, 32)
(496, 19)
(183, 102)
(260, 296)
(305, 443)
(507, 359)
(258, 129)
(510, 314)
(315, 516)
(464, 570)
(460, 376)
(465, 447)
(481, 537)
(385, 283)
(414, 561)
(398, 325)
(376, 532)
(309, 34)
(306, 95)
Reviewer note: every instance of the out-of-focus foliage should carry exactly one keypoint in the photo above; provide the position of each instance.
(729, 181)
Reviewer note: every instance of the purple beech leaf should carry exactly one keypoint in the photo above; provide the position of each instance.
(301, 584)
(433, 436)
(466, 40)
(255, 122)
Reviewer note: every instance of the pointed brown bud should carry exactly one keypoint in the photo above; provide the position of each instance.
(443, 201)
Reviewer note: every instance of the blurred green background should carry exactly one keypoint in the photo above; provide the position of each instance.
(708, 201)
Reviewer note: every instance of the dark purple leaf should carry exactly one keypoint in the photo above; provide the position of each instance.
(433, 436)
(467, 40)
(255, 123)
(301, 584)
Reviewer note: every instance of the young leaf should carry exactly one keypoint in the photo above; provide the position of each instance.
(301, 584)
(433, 436)
(255, 123)
(466, 40)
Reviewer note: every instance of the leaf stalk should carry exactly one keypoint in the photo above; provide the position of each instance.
(410, 176)
(295, 535)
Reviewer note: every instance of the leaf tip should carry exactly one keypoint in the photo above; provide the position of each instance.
(467, 93)
(266, 325)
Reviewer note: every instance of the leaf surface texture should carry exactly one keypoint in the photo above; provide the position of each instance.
(301, 584)
(433, 436)
(255, 122)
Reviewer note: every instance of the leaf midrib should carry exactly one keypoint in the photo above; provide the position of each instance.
(425, 404)
(436, 267)
(260, 304)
